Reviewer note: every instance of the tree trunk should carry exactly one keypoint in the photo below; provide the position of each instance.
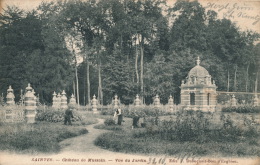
(84, 88)
(228, 81)
(235, 79)
(77, 83)
(74, 88)
(136, 62)
(100, 94)
(142, 68)
(256, 81)
(247, 68)
(88, 83)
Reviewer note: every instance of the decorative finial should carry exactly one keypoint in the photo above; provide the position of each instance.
(10, 89)
(198, 61)
(29, 88)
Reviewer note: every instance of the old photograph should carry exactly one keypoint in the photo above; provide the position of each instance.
(129, 82)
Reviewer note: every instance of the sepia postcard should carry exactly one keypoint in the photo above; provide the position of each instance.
(129, 41)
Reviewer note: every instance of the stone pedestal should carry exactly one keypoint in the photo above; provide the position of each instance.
(94, 104)
(63, 103)
(156, 102)
(233, 101)
(30, 105)
(170, 103)
(73, 100)
(10, 96)
(9, 110)
(137, 101)
(256, 101)
(54, 100)
(116, 102)
(58, 101)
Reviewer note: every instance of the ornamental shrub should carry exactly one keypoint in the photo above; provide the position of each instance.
(242, 109)
(55, 116)
(109, 122)
(201, 127)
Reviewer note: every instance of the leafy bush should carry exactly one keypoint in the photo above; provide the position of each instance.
(109, 122)
(110, 112)
(189, 126)
(198, 127)
(141, 111)
(242, 109)
(50, 116)
(188, 133)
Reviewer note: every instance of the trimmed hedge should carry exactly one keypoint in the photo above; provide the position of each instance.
(242, 109)
(55, 116)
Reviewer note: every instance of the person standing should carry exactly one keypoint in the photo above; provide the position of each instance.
(135, 120)
(67, 116)
(119, 115)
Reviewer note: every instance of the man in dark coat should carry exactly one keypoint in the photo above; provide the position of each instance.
(135, 120)
(67, 116)
(119, 115)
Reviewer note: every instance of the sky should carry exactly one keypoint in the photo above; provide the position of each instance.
(245, 13)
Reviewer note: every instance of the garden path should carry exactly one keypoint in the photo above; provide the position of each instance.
(83, 147)
(85, 143)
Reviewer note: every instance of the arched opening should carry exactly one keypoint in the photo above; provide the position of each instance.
(192, 98)
(208, 98)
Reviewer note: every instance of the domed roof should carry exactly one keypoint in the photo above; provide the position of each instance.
(198, 71)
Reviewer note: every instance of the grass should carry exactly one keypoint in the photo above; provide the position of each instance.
(109, 124)
(46, 133)
(119, 141)
(34, 138)
(108, 127)
(87, 117)
(222, 135)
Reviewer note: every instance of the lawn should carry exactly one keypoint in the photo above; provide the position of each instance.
(34, 138)
(43, 136)
(219, 134)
